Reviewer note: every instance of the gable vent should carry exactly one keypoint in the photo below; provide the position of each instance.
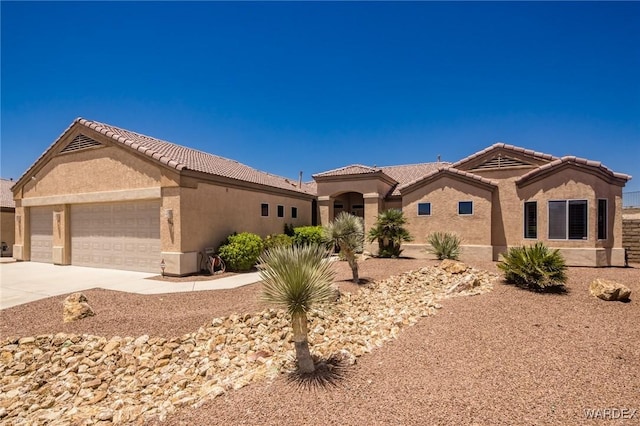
(81, 142)
(502, 162)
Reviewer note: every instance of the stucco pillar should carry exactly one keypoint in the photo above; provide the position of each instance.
(21, 247)
(61, 250)
(325, 206)
(372, 207)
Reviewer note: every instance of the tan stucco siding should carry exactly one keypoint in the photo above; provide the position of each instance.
(93, 170)
(444, 195)
(571, 184)
(210, 213)
(8, 230)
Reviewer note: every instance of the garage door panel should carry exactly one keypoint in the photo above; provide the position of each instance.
(41, 219)
(117, 235)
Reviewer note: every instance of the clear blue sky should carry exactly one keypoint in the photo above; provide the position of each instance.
(291, 86)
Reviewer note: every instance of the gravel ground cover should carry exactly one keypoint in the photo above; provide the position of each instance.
(506, 357)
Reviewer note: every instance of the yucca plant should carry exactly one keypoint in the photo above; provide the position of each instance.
(536, 267)
(347, 232)
(444, 245)
(297, 277)
(390, 232)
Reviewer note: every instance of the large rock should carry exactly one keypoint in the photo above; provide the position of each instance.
(609, 290)
(466, 282)
(76, 307)
(453, 266)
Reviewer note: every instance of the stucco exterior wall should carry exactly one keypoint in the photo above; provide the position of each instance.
(8, 230)
(565, 184)
(444, 194)
(94, 170)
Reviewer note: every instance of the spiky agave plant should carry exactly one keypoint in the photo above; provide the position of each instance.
(535, 266)
(297, 277)
(347, 232)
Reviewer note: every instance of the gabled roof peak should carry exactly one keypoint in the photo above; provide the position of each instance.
(506, 147)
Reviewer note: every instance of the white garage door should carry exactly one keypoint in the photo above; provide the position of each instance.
(41, 219)
(116, 235)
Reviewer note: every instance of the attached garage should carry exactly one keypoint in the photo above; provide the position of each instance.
(41, 219)
(117, 235)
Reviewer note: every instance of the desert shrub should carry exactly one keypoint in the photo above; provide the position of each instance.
(277, 240)
(390, 233)
(303, 235)
(288, 229)
(240, 252)
(535, 267)
(444, 245)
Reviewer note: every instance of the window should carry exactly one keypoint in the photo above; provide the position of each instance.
(294, 212)
(602, 219)
(424, 209)
(531, 219)
(280, 211)
(264, 209)
(465, 207)
(568, 220)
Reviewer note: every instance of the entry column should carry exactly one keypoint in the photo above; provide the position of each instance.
(372, 207)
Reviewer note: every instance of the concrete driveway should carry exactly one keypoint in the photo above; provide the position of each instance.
(23, 282)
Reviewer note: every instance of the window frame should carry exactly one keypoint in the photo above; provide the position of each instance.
(428, 203)
(460, 204)
(526, 218)
(264, 206)
(279, 211)
(294, 212)
(567, 203)
(606, 220)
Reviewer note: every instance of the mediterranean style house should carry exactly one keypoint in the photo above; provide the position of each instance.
(107, 197)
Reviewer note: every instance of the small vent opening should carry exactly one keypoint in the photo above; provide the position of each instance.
(502, 162)
(81, 142)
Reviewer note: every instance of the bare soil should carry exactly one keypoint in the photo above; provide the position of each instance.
(507, 357)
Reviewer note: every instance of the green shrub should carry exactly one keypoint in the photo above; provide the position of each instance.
(390, 233)
(535, 267)
(288, 229)
(444, 245)
(241, 251)
(303, 235)
(277, 240)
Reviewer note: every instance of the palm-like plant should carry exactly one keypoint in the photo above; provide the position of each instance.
(390, 232)
(297, 277)
(534, 266)
(347, 232)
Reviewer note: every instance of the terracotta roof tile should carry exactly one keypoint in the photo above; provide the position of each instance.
(451, 170)
(353, 169)
(404, 174)
(507, 147)
(6, 196)
(183, 158)
(572, 160)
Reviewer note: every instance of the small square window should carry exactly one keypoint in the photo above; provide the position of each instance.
(465, 207)
(280, 211)
(294, 212)
(264, 209)
(424, 209)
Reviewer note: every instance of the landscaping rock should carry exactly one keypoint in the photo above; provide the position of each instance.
(86, 379)
(609, 290)
(76, 307)
(453, 266)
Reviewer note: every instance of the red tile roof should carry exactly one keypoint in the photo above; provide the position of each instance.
(446, 169)
(512, 148)
(6, 196)
(353, 169)
(576, 161)
(183, 158)
(405, 174)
